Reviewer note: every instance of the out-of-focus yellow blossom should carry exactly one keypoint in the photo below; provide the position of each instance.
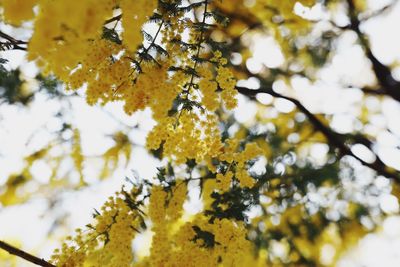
(135, 13)
(17, 11)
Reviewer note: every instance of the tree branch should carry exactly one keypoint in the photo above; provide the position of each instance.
(12, 43)
(383, 73)
(22, 254)
(372, 91)
(334, 139)
(378, 12)
(116, 18)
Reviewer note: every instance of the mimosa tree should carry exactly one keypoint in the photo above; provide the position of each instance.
(266, 200)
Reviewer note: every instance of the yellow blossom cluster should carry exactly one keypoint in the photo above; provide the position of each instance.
(224, 180)
(109, 79)
(108, 242)
(67, 41)
(239, 159)
(175, 203)
(97, 71)
(184, 94)
(226, 81)
(154, 88)
(194, 243)
(63, 30)
(190, 136)
(157, 211)
(192, 132)
(201, 243)
(167, 205)
(208, 88)
(72, 47)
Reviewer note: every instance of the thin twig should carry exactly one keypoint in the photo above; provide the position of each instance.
(26, 256)
(145, 51)
(198, 47)
(12, 43)
(116, 18)
(11, 39)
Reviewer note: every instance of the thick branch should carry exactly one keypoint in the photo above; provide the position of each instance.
(22, 254)
(333, 138)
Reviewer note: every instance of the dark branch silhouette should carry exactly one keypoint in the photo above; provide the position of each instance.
(336, 140)
(11, 43)
(26, 256)
(388, 84)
